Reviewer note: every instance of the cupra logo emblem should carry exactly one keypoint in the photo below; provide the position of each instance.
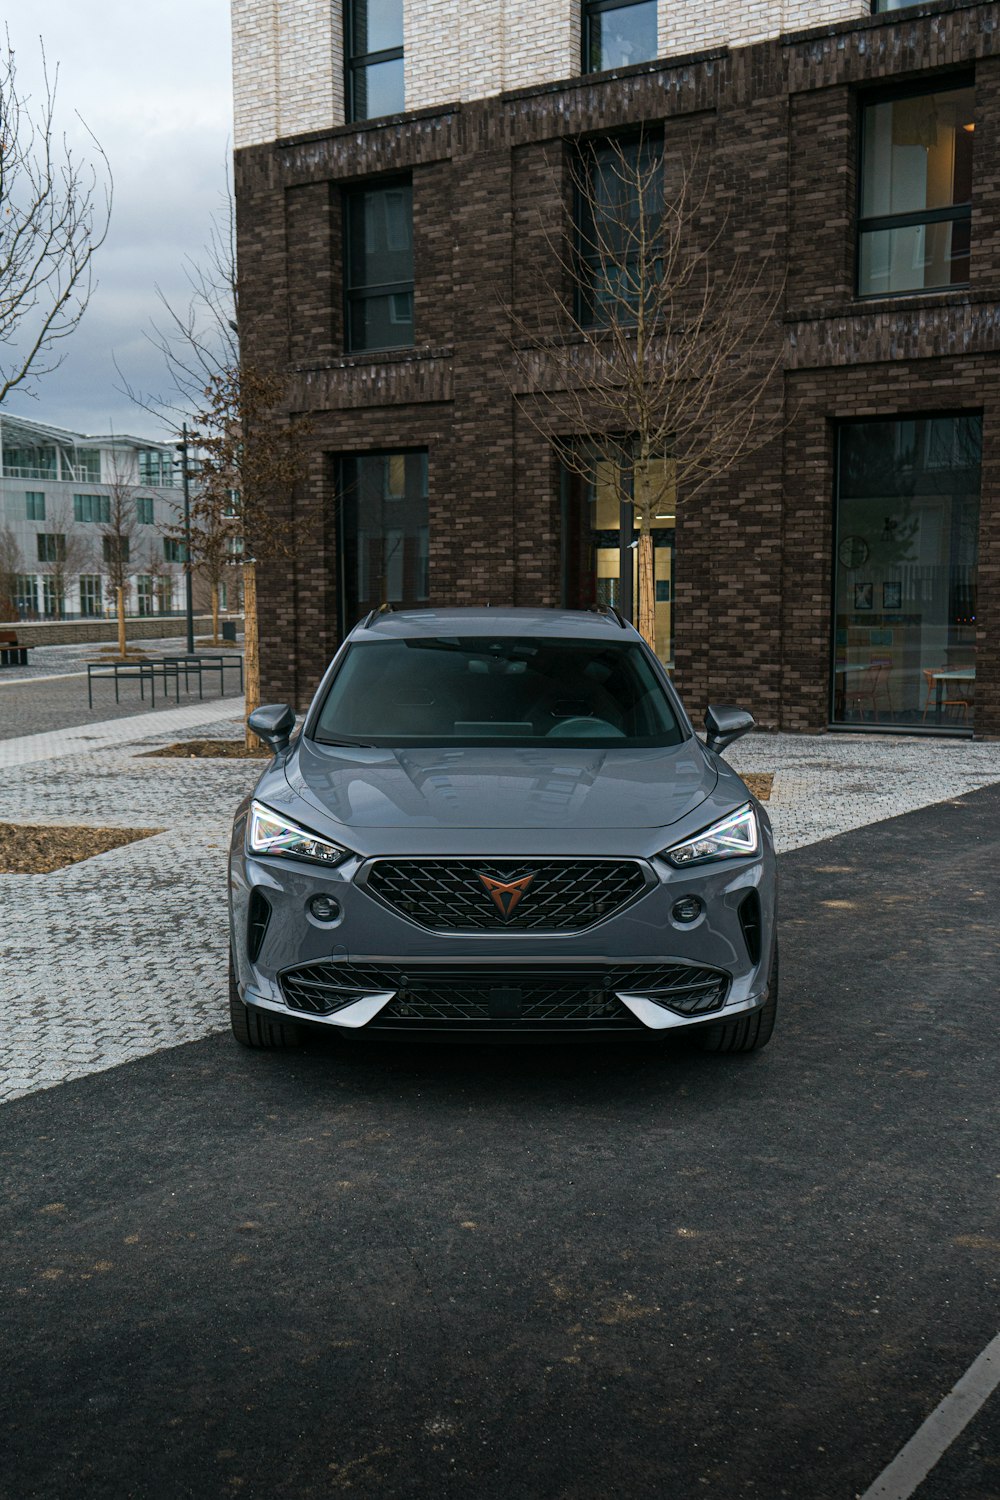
(506, 894)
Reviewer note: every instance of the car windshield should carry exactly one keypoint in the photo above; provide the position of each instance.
(485, 690)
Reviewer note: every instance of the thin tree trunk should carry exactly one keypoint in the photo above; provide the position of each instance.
(215, 614)
(647, 589)
(251, 657)
(120, 606)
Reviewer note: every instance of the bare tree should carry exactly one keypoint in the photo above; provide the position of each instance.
(251, 452)
(213, 538)
(54, 216)
(11, 568)
(251, 458)
(160, 576)
(63, 554)
(118, 537)
(647, 353)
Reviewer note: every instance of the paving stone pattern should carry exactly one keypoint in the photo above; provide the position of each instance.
(124, 954)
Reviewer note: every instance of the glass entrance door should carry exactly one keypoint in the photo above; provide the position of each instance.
(905, 573)
(383, 532)
(619, 551)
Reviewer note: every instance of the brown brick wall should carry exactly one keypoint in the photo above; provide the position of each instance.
(774, 128)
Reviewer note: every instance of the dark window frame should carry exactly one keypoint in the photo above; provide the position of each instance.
(357, 62)
(957, 213)
(341, 461)
(352, 293)
(592, 8)
(583, 291)
(836, 426)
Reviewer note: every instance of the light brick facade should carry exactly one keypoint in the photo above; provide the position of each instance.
(288, 61)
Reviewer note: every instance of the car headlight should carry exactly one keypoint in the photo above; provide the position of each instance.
(268, 833)
(734, 837)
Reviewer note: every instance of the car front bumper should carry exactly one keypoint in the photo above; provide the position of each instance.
(398, 953)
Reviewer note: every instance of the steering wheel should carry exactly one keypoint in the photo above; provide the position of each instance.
(584, 728)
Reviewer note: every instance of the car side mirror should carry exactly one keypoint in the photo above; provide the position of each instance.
(273, 723)
(725, 723)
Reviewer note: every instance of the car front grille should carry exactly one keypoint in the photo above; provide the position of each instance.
(452, 895)
(487, 996)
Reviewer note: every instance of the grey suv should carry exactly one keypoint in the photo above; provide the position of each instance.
(499, 824)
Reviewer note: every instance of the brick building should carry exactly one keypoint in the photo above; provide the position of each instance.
(400, 179)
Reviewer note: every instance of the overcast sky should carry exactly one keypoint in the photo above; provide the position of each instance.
(152, 81)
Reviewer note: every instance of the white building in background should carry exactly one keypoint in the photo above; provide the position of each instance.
(56, 501)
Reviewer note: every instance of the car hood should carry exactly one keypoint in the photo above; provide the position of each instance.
(501, 788)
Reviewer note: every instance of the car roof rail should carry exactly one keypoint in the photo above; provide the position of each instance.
(373, 614)
(610, 612)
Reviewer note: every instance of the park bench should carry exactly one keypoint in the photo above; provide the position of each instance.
(11, 654)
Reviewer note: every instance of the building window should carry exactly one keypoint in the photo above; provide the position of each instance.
(31, 463)
(156, 468)
(115, 550)
(53, 600)
(173, 550)
(86, 465)
(379, 272)
(905, 572)
(92, 508)
(383, 532)
(144, 593)
(614, 241)
(51, 547)
(914, 228)
(882, 7)
(617, 33)
(373, 32)
(144, 510)
(618, 528)
(25, 594)
(90, 594)
(34, 505)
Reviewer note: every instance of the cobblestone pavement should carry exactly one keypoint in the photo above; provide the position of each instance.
(830, 783)
(124, 954)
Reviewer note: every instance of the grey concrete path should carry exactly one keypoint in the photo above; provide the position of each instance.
(558, 1274)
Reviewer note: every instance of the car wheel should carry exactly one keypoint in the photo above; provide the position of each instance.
(253, 1028)
(749, 1032)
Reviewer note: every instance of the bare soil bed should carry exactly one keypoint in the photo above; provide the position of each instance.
(759, 783)
(214, 749)
(30, 849)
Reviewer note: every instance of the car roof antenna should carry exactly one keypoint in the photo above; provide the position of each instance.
(609, 611)
(372, 615)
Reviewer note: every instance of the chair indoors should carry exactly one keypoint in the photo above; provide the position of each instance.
(930, 697)
(869, 686)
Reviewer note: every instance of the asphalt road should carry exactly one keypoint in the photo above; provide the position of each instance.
(544, 1273)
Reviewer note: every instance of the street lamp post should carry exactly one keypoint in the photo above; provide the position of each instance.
(188, 587)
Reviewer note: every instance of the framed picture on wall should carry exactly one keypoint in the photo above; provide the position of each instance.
(863, 595)
(892, 596)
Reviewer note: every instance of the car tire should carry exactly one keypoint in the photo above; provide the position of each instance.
(254, 1028)
(749, 1032)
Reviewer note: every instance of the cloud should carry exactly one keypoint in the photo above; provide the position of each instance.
(152, 82)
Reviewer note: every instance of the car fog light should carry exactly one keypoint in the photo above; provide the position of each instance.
(324, 908)
(687, 909)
